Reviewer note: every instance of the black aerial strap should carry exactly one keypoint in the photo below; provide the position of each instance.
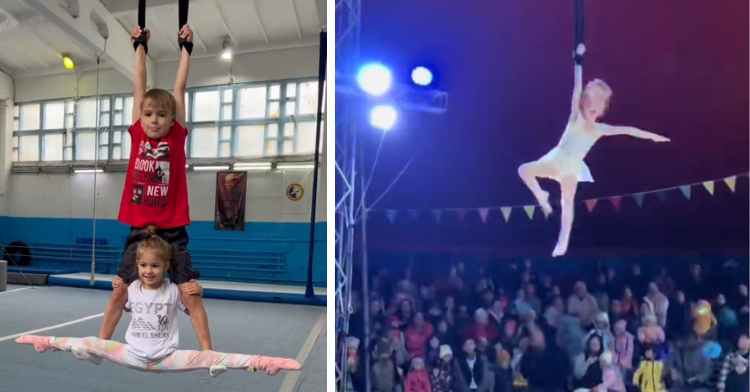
(142, 39)
(183, 19)
(579, 12)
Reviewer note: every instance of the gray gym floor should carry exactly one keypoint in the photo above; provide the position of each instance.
(290, 331)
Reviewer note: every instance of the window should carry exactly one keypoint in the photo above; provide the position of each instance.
(103, 145)
(206, 106)
(68, 145)
(306, 137)
(225, 142)
(308, 98)
(291, 90)
(85, 146)
(29, 117)
(253, 103)
(205, 142)
(54, 115)
(251, 140)
(53, 147)
(240, 121)
(86, 114)
(125, 147)
(28, 148)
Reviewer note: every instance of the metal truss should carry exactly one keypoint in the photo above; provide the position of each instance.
(347, 14)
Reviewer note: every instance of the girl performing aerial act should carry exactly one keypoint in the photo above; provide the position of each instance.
(152, 337)
(565, 163)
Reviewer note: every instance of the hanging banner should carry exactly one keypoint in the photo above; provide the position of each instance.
(391, 215)
(686, 190)
(731, 181)
(709, 185)
(529, 211)
(506, 212)
(231, 190)
(297, 184)
(438, 214)
(483, 213)
(616, 200)
(639, 199)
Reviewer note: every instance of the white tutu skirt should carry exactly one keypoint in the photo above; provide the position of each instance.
(566, 165)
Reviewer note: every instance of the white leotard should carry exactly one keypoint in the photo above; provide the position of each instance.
(567, 157)
(576, 141)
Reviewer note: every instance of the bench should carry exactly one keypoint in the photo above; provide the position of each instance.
(232, 265)
(239, 265)
(76, 256)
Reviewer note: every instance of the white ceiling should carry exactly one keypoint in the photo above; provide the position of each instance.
(30, 45)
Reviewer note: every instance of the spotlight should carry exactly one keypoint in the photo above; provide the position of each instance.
(383, 117)
(68, 62)
(374, 79)
(227, 47)
(421, 76)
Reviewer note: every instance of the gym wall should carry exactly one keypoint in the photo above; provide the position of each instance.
(57, 210)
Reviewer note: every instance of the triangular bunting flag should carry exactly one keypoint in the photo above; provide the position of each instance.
(413, 214)
(506, 212)
(590, 204)
(616, 202)
(391, 215)
(437, 214)
(709, 185)
(686, 190)
(639, 199)
(662, 196)
(731, 182)
(529, 211)
(461, 214)
(483, 213)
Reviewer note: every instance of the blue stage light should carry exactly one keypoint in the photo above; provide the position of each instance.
(374, 79)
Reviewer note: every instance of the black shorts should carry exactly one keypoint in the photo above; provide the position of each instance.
(180, 267)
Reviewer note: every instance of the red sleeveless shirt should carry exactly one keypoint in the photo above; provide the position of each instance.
(156, 183)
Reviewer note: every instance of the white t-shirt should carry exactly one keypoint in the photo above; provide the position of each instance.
(153, 333)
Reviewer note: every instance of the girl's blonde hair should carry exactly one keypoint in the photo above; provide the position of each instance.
(153, 243)
(602, 85)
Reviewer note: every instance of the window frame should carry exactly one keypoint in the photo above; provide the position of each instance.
(232, 124)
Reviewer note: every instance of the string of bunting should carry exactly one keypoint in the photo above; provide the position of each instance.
(616, 200)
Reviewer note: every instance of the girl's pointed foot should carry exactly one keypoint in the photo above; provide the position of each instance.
(40, 343)
(273, 366)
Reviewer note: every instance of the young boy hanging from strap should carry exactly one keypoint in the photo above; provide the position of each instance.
(156, 184)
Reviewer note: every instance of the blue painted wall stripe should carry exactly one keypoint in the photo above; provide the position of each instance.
(215, 253)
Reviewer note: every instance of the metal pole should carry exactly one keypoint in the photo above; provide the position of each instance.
(309, 291)
(365, 279)
(3, 275)
(347, 14)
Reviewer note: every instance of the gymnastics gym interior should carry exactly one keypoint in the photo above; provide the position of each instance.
(253, 115)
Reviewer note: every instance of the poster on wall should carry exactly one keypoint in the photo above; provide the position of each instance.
(231, 189)
(297, 184)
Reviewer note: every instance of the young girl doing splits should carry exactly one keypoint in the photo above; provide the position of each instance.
(152, 338)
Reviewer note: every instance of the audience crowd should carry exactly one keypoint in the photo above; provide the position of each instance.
(510, 326)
